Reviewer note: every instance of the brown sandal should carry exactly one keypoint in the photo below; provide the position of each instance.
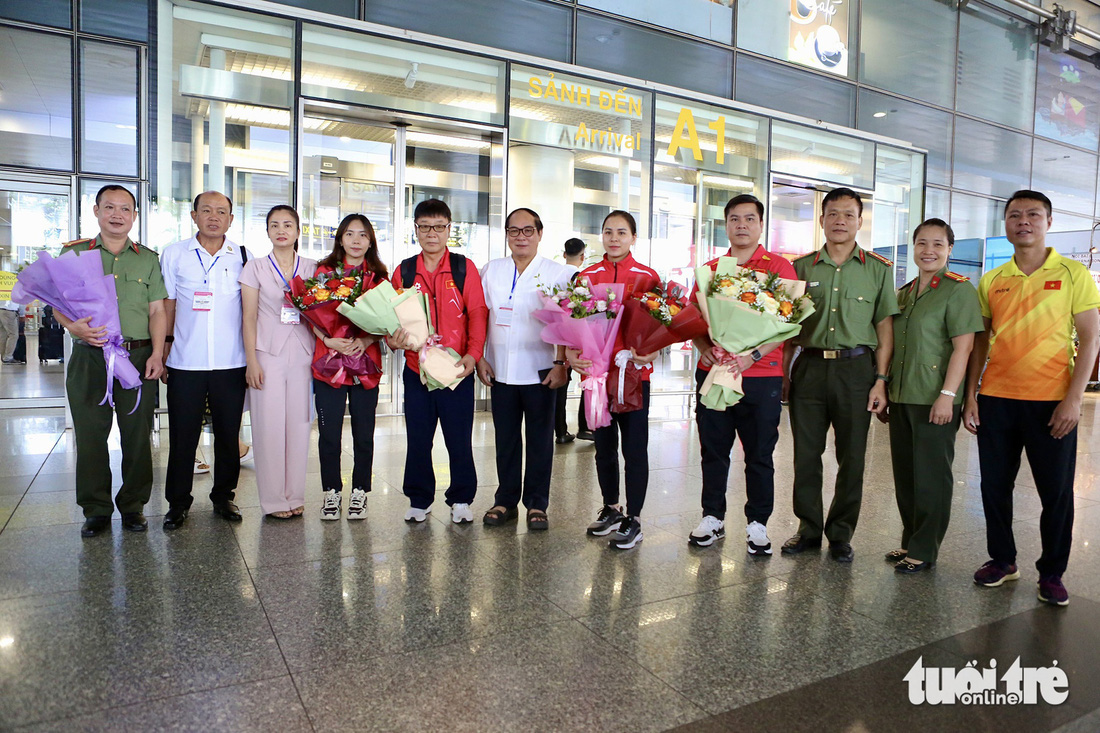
(537, 520)
(499, 515)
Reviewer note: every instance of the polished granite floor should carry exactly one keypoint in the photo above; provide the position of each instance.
(380, 625)
(34, 379)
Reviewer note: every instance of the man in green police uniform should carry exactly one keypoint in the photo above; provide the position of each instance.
(839, 379)
(141, 312)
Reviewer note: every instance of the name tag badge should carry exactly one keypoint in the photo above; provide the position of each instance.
(290, 315)
(203, 301)
(504, 316)
(814, 284)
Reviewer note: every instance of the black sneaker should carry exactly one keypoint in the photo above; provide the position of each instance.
(606, 521)
(628, 534)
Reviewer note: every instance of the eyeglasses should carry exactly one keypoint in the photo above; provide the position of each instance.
(516, 231)
(437, 228)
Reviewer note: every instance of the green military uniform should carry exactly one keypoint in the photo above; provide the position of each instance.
(138, 283)
(921, 452)
(830, 382)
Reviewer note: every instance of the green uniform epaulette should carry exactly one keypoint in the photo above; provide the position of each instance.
(880, 258)
(815, 253)
(956, 277)
(79, 241)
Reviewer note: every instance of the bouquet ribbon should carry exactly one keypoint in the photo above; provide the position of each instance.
(622, 361)
(120, 366)
(594, 389)
(434, 340)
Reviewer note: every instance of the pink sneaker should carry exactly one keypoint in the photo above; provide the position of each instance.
(994, 573)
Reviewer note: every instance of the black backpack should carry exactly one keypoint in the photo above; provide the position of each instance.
(458, 271)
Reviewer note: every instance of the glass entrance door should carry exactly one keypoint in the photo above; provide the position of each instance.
(354, 164)
(34, 216)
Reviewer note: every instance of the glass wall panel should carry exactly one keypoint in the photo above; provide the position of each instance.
(996, 67)
(922, 126)
(989, 159)
(229, 90)
(899, 185)
(1062, 222)
(56, 13)
(910, 51)
(352, 67)
(639, 52)
(525, 26)
(346, 8)
(116, 18)
(109, 109)
(31, 221)
(578, 150)
(823, 156)
(937, 203)
(1066, 175)
(711, 19)
(774, 86)
(976, 217)
(1067, 105)
(814, 33)
(36, 106)
(704, 156)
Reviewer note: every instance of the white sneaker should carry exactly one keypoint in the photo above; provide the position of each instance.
(357, 504)
(758, 541)
(461, 514)
(709, 531)
(201, 466)
(417, 515)
(248, 456)
(331, 508)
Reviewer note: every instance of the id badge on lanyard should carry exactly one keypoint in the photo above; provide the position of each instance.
(290, 315)
(203, 301)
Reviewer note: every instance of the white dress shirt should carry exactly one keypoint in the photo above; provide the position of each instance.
(208, 339)
(513, 346)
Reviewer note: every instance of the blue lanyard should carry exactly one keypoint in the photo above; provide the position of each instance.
(206, 270)
(279, 272)
(515, 277)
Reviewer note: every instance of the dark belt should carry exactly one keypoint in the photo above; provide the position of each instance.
(838, 353)
(129, 345)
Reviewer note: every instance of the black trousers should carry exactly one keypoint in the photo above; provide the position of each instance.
(453, 411)
(189, 392)
(330, 403)
(634, 427)
(523, 410)
(1009, 428)
(755, 420)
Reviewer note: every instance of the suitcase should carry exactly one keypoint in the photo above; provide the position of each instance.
(51, 343)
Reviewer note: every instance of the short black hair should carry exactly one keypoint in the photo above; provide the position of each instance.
(842, 193)
(115, 187)
(744, 198)
(934, 222)
(534, 215)
(574, 247)
(432, 207)
(1030, 196)
(195, 203)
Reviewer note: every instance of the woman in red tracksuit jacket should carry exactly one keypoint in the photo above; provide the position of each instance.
(619, 266)
(355, 248)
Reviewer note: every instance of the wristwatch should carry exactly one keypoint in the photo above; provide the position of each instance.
(883, 377)
(559, 362)
(756, 355)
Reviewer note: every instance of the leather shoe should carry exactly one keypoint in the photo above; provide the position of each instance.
(227, 510)
(175, 518)
(565, 438)
(134, 521)
(95, 525)
(841, 551)
(799, 544)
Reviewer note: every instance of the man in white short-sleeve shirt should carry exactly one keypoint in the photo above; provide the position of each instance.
(521, 370)
(206, 360)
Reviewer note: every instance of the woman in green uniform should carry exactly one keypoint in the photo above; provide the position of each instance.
(933, 337)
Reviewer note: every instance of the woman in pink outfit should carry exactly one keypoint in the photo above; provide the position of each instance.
(278, 346)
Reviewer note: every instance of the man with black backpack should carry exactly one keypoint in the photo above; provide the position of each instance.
(456, 306)
(205, 357)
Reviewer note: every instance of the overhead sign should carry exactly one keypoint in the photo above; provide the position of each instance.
(7, 282)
